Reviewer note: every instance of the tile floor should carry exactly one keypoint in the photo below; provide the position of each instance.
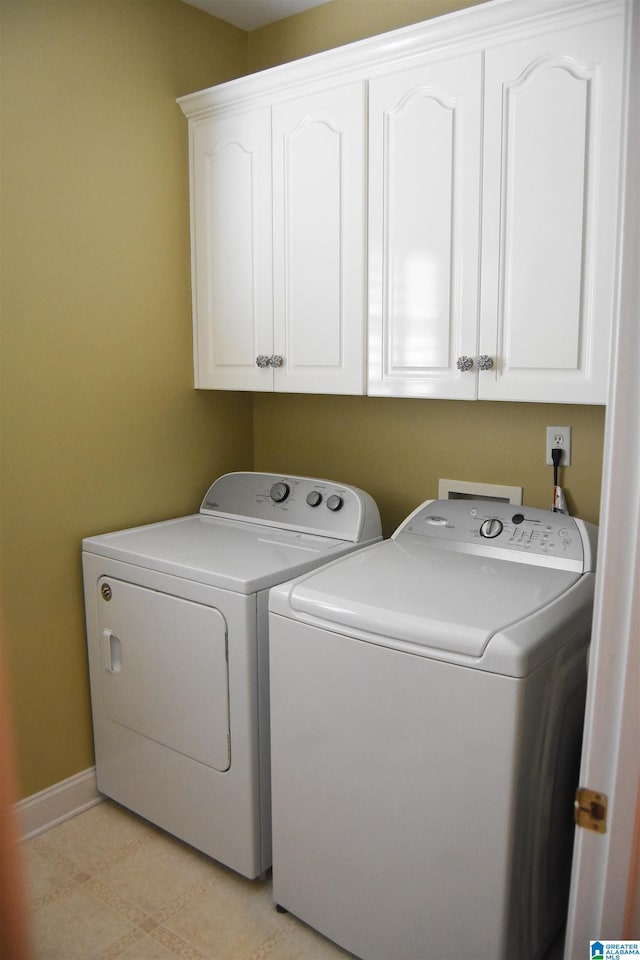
(108, 885)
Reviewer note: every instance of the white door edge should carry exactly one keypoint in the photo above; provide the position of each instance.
(604, 879)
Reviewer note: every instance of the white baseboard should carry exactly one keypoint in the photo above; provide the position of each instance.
(58, 803)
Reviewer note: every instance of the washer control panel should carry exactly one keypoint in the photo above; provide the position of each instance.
(486, 526)
(301, 503)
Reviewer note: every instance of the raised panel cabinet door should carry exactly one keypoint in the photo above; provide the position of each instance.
(231, 243)
(551, 157)
(424, 224)
(319, 241)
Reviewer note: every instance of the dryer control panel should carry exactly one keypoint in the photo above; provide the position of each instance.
(296, 503)
(525, 534)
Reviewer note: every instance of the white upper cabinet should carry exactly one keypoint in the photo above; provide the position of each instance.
(424, 227)
(278, 245)
(493, 212)
(436, 207)
(552, 115)
(319, 242)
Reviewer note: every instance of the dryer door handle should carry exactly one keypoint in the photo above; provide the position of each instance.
(112, 651)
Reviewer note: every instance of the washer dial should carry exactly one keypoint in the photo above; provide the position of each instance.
(334, 502)
(279, 492)
(491, 528)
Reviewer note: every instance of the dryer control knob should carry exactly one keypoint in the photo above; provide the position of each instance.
(279, 492)
(491, 528)
(334, 502)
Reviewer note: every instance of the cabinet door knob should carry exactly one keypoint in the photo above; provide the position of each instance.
(276, 360)
(485, 362)
(262, 361)
(464, 363)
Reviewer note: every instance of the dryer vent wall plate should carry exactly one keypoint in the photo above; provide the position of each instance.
(466, 490)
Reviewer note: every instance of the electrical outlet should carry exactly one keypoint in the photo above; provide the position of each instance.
(559, 437)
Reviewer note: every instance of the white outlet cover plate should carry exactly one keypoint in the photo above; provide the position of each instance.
(564, 432)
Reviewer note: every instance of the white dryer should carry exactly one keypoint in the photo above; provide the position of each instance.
(177, 622)
(427, 699)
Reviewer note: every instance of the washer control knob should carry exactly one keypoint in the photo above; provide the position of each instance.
(314, 499)
(436, 521)
(491, 528)
(334, 502)
(279, 492)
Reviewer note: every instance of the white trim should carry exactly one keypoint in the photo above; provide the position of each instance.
(484, 25)
(58, 803)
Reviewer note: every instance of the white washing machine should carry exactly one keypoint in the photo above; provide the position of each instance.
(177, 623)
(427, 699)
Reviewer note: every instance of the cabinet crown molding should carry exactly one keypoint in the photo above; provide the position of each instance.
(484, 25)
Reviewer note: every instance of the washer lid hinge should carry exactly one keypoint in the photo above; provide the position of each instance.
(591, 809)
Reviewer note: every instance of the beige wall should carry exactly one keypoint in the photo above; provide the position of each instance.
(396, 448)
(101, 427)
(341, 21)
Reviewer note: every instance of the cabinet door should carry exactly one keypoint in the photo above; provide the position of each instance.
(231, 243)
(318, 257)
(552, 134)
(424, 209)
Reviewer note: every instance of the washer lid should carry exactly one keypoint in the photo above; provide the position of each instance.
(415, 592)
(243, 557)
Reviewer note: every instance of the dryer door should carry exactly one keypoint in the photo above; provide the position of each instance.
(166, 669)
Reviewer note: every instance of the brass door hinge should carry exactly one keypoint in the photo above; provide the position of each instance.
(591, 810)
